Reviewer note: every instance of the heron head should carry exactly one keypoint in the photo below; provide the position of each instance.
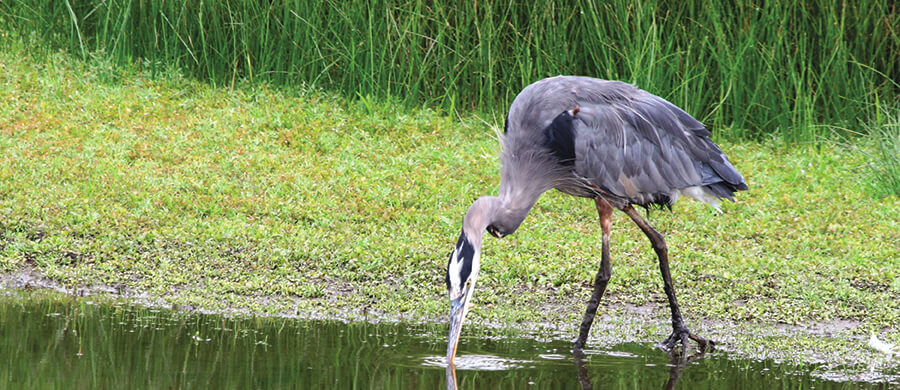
(462, 270)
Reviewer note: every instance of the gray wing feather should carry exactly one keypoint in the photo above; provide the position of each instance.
(628, 142)
(641, 148)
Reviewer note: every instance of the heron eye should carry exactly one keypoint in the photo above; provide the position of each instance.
(493, 231)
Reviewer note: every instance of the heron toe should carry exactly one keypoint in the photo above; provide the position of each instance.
(683, 335)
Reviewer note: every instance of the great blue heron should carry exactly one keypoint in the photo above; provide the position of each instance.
(605, 140)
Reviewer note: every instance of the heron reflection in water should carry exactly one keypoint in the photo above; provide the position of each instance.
(677, 363)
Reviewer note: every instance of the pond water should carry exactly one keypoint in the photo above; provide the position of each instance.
(73, 343)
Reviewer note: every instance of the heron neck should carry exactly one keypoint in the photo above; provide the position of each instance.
(479, 216)
(504, 215)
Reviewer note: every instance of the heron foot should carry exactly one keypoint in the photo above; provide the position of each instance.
(682, 334)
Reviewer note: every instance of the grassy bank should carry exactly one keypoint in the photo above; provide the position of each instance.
(301, 202)
(783, 66)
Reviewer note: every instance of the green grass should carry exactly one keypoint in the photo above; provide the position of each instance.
(782, 67)
(301, 202)
(885, 156)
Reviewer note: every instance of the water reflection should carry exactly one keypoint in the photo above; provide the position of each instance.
(635, 366)
(71, 343)
(451, 376)
(581, 365)
(479, 363)
(677, 364)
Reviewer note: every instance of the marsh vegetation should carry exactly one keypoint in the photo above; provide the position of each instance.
(232, 157)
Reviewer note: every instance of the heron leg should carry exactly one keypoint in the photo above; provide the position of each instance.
(680, 332)
(605, 210)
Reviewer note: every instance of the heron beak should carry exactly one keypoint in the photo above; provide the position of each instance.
(459, 307)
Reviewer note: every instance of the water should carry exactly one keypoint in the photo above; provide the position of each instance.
(72, 343)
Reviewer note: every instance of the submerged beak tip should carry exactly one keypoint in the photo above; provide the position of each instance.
(457, 313)
(459, 307)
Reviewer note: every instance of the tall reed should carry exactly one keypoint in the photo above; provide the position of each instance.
(884, 157)
(782, 67)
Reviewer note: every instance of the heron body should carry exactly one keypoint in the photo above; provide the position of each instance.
(605, 140)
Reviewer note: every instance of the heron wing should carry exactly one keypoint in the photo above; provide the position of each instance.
(642, 148)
